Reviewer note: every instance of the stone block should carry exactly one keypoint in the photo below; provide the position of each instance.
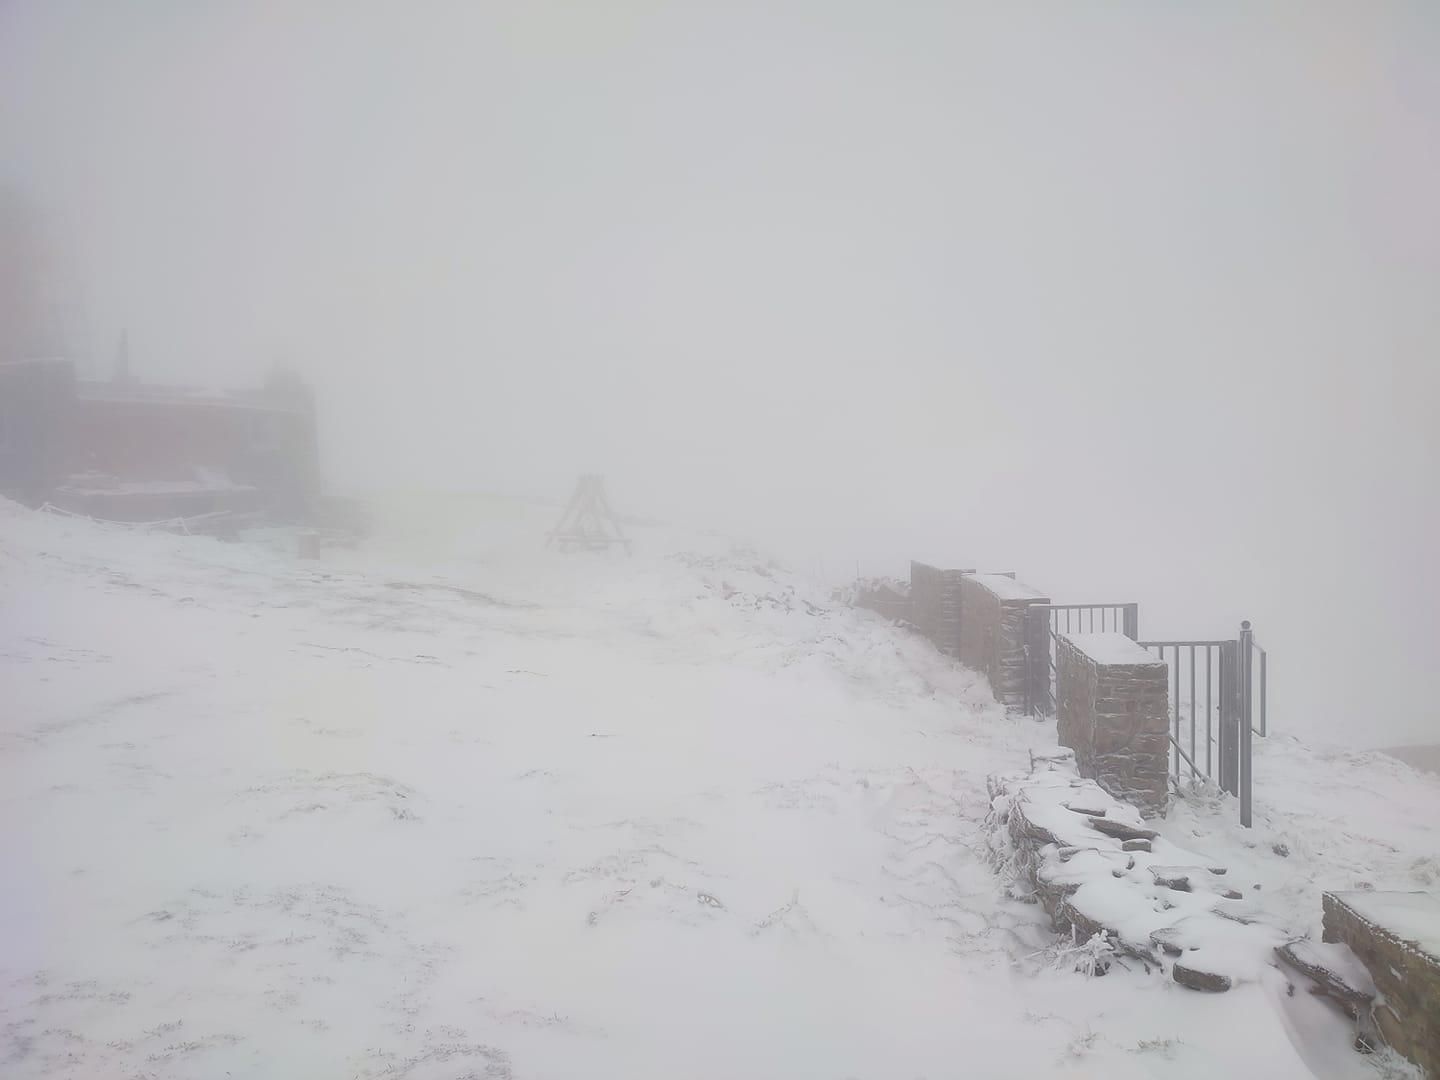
(935, 603)
(993, 632)
(1112, 709)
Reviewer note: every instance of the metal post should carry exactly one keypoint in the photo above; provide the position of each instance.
(1246, 736)
(1229, 714)
(1264, 721)
(1132, 621)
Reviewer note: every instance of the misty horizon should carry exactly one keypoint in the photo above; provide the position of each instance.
(1137, 303)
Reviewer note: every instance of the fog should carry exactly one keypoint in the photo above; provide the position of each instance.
(1137, 300)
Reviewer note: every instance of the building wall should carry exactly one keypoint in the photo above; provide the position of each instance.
(52, 427)
(36, 402)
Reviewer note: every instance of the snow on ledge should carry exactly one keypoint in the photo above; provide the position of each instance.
(1005, 587)
(1111, 648)
(1411, 917)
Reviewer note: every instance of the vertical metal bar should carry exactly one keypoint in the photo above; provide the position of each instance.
(1264, 721)
(1209, 653)
(1229, 701)
(1176, 673)
(1192, 704)
(1132, 621)
(1246, 704)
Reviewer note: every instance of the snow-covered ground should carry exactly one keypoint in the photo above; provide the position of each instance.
(449, 805)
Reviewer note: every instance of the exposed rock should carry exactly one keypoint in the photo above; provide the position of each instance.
(1170, 877)
(1121, 831)
(1194, 978)
(1094, 879)
(1336, 971)
(1166, 939)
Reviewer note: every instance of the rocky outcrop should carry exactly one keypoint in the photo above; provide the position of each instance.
(1337, 973)
(1077, 851)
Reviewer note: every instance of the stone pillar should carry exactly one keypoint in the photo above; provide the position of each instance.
(935, 605)
(1113, 710)
(992, 632)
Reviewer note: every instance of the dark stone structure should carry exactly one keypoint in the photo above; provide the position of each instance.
(37, 406)
(992, 632)
(935, 605)
(1113, 711)
(885, 597)
(1396, 935)
(130, 451)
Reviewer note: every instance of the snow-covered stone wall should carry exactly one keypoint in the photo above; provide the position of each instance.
(1121, 890)
(885, 597)
(1112, 710)
(935, 605)
(992, 631)
(1397, 936)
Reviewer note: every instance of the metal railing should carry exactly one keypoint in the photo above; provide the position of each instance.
(1046, 622)
(1264, 728)
(1111, 619)
(1217, 697)
(1212, 682)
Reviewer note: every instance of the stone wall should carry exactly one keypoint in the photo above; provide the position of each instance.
(1113, 710)
(935, 605)
(1396, 935)
(888, 598)
(992, 632)
(1091, 863)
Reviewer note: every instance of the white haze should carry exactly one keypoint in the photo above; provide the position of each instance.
(1137, 299)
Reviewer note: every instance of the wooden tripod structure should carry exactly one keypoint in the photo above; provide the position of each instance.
(588, 521)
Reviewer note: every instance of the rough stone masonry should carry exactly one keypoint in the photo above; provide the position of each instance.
(1396, 935)
(935, 605)
(1112, 709)
(992, 632)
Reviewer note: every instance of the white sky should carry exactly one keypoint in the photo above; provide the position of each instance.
(1141, 300)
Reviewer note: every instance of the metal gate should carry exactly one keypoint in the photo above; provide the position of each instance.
(1217, 690)
(1217, 703)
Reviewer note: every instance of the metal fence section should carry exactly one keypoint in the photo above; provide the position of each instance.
(1217, 689)
(1258, 690)
(1215, 702)
(1044, 624)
